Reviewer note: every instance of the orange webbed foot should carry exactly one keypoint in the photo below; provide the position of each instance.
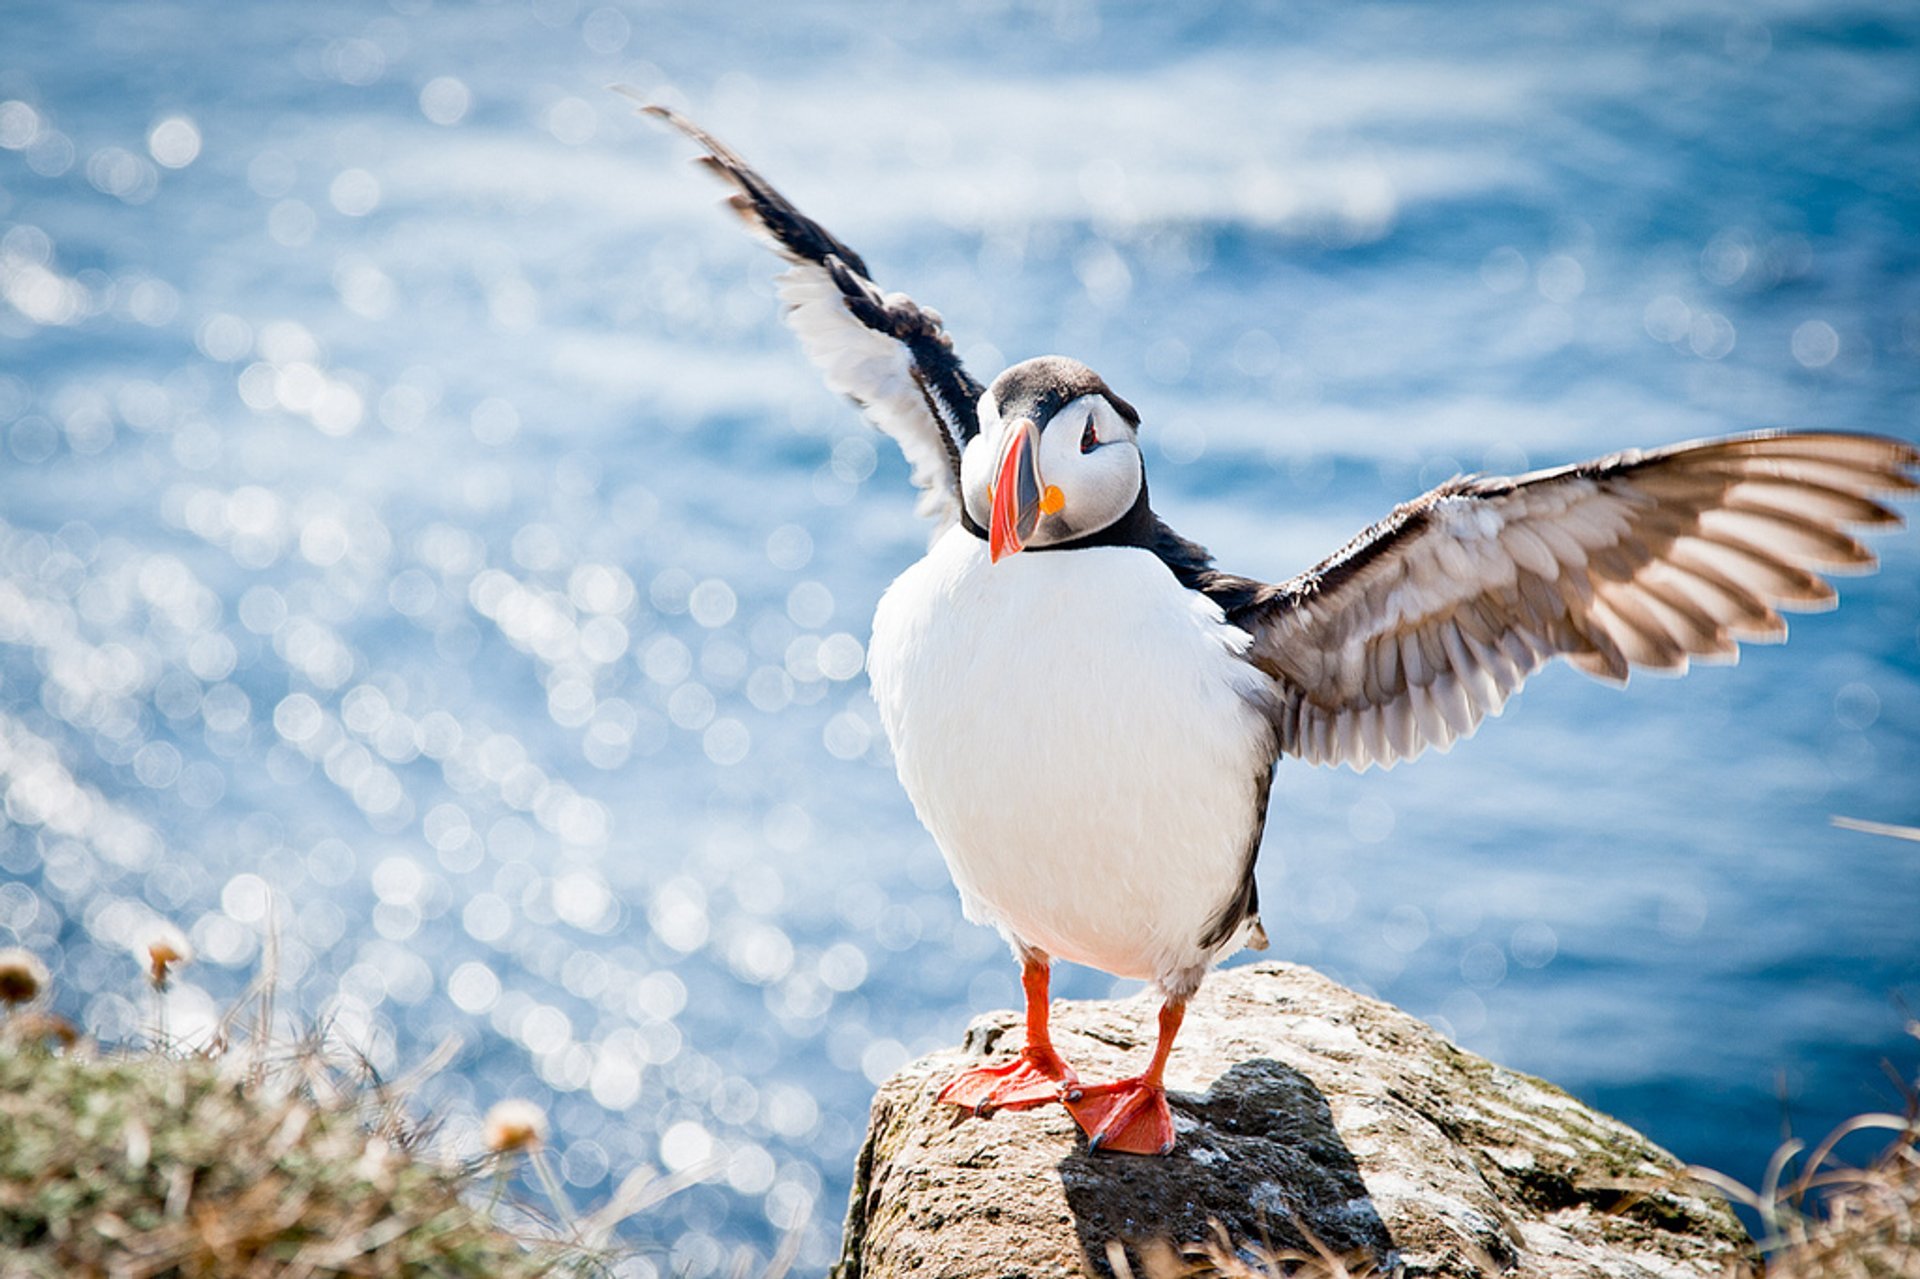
(1031, 1079)
(1129, 1116)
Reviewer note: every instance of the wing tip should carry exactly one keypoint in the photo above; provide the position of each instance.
(644, 105)
(717, 158)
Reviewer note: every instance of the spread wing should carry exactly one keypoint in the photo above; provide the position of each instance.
(1427, 622)
(886, 353)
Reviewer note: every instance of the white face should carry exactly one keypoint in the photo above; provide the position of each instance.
(1087, 451)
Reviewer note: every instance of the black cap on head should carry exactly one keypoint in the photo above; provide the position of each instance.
(1041, 387)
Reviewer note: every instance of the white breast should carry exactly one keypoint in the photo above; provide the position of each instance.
(1082, 738)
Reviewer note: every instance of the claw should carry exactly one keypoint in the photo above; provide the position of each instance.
(1128, 1117)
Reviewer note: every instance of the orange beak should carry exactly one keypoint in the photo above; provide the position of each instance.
(1017, 491)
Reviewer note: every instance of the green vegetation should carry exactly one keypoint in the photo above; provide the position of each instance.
(255, 1157)
(155, 1165)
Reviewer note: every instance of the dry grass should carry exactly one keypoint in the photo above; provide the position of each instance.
(1869, 1227)
(151, 1164)
(1218, 1258)
(248, 1158)
(1829, 1220)
(251, 1158)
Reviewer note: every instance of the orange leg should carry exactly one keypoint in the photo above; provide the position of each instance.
(1131, 1115)
(1033, 1078)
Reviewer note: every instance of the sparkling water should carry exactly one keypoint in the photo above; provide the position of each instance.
(421, 541)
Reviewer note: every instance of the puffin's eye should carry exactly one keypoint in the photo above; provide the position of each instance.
(1088, 440)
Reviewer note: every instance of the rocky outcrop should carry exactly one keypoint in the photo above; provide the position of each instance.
(1309, 1118)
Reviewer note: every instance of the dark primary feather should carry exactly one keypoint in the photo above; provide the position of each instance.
(888, 354)
(802, 239)
(1412, 633)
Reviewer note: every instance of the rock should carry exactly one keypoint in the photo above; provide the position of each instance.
(1309, 1118)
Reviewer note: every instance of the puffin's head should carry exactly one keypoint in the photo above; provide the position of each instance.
(1057, 456)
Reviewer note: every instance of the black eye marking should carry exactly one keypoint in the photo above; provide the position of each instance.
(1088, 440)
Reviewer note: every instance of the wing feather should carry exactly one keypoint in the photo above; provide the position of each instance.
(1425, 624)
(886, 353)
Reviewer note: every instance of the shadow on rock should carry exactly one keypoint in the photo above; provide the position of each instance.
(1443, 1162)
(1258, 1154)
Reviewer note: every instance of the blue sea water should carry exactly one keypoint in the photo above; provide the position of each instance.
(420, 538)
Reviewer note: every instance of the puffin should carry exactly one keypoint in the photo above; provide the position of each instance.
(1086, 713)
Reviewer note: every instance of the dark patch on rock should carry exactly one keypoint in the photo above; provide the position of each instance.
(1302, 1109)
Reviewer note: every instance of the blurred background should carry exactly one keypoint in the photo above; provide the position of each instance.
(419, 536)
